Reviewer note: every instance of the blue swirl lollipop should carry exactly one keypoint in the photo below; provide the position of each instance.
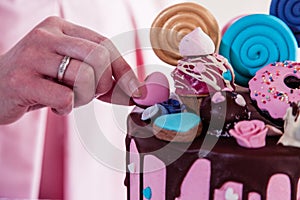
(289, 12)
(254, 41)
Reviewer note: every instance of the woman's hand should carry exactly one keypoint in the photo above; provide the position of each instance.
(28, 72)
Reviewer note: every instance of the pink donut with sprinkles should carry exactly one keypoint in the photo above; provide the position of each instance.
(275, 86)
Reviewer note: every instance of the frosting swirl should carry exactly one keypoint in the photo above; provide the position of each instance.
(250, 134)
(196, 43)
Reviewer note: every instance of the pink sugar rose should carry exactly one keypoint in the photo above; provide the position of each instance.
(250, 134)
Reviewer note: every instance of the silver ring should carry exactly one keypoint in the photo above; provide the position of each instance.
(62, 68)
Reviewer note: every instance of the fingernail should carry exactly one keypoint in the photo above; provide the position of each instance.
(59, 111)
(134, 88)
(137, 94)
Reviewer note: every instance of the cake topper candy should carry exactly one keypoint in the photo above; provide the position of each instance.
(177, 127)
(274, 87)
(196, 43)
(289, 12)
(174, 22)
(230, 22)
(254, 41)
(201, 71)
(156, 90)
(291, 136)
(167, 107)
(250, 133)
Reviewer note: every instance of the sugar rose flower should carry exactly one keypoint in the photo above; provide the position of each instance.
(250, 134)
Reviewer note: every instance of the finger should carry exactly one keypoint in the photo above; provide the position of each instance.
(116, 96)
(99, 58)
(83, 44)
(105, 82)
(35, 107)
(88, 52)
(119, 66)
(126, 78)
(51, 64)
(74, 47)
(74, 30)
(80, 76)
(50, 94)
(84, 85)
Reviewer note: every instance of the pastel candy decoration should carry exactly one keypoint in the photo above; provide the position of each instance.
(289, 12)
(254, 41)
(177, 127)
(275, 86)
(156, 90)
(179, 122)
(250, 134)
(167, 107)
(153, 111)
(229, 23)
(196, 43)
(147, 193)
(176, 21)
(291, 136)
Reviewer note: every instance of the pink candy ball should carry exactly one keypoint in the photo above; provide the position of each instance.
(155, 90)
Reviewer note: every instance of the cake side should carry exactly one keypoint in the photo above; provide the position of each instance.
(251, 168)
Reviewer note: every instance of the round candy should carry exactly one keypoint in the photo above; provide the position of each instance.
(275, 86)
(289, 12)
(254, 41)
(155, 90)
(150, 112)
(174, 22)
(228, 24)
(167, 107)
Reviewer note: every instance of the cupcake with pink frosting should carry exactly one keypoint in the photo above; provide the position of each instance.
(200, 71)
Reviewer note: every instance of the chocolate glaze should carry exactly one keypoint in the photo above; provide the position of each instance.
(229, 162)
(227, 111)
(256, 113)
(292, 82)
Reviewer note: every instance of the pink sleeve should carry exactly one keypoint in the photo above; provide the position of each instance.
(22, 143)
(21, 150)
(18, 17)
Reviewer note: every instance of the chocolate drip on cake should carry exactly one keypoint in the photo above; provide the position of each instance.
(229, 162)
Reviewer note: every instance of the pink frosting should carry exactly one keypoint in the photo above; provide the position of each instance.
(217, 98)
(134, 169)
(269, 90)
(156, 90)
(196, 43)
(254, 196)
(250, 134)
(197, 188)
(229, 190)
(154, 177)
(279, 187)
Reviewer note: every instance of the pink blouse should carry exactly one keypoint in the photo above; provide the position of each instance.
(41, 155)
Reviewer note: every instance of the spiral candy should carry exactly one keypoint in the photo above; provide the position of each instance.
(254, 41)
(289, 12)
(174, 22)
